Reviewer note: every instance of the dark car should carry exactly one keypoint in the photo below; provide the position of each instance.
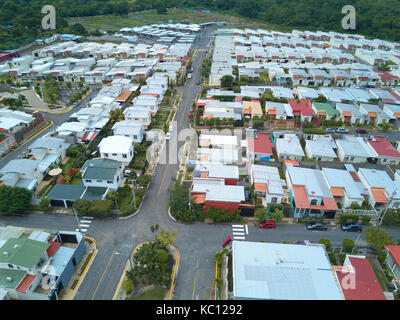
(198, 82)
(362, 131)
(330, 130)
(267, 224)
(316, 226)
(352, 226)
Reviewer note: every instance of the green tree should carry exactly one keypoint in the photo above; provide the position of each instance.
(348, 245)
(14, 199)
(82, 206)
(166, 237)
(378, 237)
(44, 203)
(325, 242)
(227, 81)
(116, 115)
(261, 214)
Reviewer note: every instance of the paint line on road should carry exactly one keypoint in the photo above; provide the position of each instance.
(247, 229)
(237, 226)
(84, 225)
(162, 181)
(239, 238)
(89, 218)
(102, 276)
(86, 221)
(238, 233)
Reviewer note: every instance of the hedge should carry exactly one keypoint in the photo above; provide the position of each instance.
(325, 242)
(348, 245)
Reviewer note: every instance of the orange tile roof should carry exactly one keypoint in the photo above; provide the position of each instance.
(379, 195)
(355, 177)
(199, 198)
(337, 191)
(25, 283)
(372, 114)
(124, 96)
(203, 175)
(247, 111)
(293, 162)
(271, 111)
(300, 197)
(262, 187)
(347, 113)
(397, 114)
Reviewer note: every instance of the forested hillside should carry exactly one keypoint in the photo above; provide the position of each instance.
(20, 20)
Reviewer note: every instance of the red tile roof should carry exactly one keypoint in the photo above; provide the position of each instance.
(394, 252)
(123, 96)
(383, 147)
(366, 286)
(261, 144)
(302, 107)
(51, 250)
(25, 283)
(385, 75)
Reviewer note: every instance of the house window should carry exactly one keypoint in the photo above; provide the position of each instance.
(109, 182)
(105, 155)
(88, 180)
(114, 154)
(10, 266)
(99, 181)
(313, 202)
(274, 200)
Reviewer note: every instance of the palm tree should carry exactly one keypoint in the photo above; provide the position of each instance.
(116, 115)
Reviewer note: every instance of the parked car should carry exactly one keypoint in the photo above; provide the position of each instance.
(171, 128)
(198, 82)
(189, 76)
(127, 173)
(303, 242)
(371, 138)
(316, 226)
(329, 130)
(362, 131)
(267, 224)
(190, 115)
(342, 130)
(351, 226)
(167, 136)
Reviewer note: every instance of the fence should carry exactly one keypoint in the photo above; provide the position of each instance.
(372, 213)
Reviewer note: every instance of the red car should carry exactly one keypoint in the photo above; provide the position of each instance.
(267, 224)
(190, 115)
(362, 131)
(303, 242)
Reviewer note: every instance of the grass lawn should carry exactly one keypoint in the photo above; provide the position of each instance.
(152, 294)
(379, 275)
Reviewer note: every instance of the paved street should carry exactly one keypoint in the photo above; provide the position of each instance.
(197, 243)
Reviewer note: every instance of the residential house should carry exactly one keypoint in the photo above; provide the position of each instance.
(252, 109)
(29, 259)
(350, 113)
(374, 114)
(301, 109)
(22, 173)
(281, 111)
(320, 77)
(140, 114)
(117, 148)
(214, 170)
(225, 156)
(342, 78)
(219, 141)
(129, 128)
(324, 111)
(358, 280)
(281, 266)
(300, 77)
(289, 148)
(259, 147)
(385, 151)
(393, 262)
(356, 150)
(365, 77)
(344, 187)
(383, 192)
(102, 173)
(319, 150)
(267, 183)
(309, 194)
(387, 79)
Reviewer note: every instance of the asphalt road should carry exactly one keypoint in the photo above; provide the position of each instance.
(57, 120)
(196, 243)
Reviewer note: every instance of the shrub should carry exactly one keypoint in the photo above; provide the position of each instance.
(365, 220)
(325, 242)
(348, 245)
(128, 286)
(381, 255)
(348, 217)
(101, 207)
(342, 257)
(82, 206)
(217, 215)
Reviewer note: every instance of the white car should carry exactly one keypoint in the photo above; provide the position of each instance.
(171, 128)
(189, 76)
(167, 136)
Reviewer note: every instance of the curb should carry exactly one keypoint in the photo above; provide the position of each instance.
(131, 257)
(86, 268)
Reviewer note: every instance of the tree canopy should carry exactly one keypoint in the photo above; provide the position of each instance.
(14, 199)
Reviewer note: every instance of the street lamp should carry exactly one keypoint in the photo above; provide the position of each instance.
(77, 220)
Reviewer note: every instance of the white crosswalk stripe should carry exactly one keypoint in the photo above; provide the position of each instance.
(239, 232)
(84, 224)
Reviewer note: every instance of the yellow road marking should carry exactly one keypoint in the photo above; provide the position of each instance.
(102, 276)
(162, 181)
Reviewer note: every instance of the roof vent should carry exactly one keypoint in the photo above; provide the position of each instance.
(9, 279)
(5, 253)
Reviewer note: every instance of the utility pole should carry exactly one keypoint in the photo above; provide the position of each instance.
(77, 220)
(133, 191)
